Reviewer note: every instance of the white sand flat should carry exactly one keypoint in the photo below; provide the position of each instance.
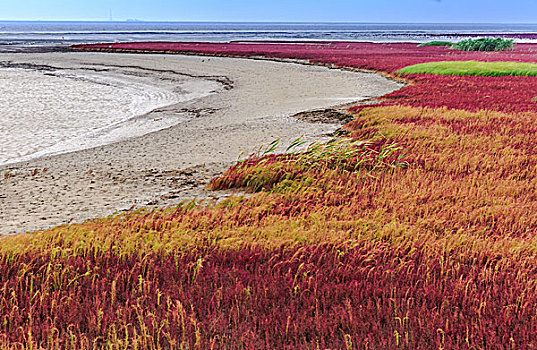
(60, 111)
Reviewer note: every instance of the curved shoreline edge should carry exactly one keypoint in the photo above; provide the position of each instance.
(99, 48)
(163, 168)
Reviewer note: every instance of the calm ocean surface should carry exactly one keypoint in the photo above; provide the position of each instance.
(14, 35)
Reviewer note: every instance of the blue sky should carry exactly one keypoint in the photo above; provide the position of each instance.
(461, 11)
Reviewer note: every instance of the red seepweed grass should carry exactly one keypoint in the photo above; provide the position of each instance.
(418, 231)
(370, 294)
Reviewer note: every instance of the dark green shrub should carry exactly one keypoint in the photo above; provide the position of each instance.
(484, 44)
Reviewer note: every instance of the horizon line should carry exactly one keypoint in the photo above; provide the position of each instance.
(134, 20)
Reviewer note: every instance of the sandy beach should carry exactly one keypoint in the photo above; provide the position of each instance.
(208, 112)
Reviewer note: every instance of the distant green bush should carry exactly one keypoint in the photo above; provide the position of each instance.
(484, 44)
(436, 43)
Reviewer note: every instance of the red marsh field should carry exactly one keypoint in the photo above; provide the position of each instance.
(416, 230)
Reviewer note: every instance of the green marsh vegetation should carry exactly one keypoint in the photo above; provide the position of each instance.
(484, 44)
(436, 43)
(475, 68)
(481, 44)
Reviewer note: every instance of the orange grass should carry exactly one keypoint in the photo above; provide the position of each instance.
(469, 175)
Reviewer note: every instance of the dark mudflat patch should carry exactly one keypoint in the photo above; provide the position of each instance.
(325, 116)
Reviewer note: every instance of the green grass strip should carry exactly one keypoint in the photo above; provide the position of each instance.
(475, 68)
(436, 43)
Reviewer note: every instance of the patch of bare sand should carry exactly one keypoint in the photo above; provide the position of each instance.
(254, 107)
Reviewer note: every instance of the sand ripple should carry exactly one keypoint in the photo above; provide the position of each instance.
(44, 113)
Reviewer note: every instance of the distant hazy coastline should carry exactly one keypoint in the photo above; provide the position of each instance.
(22, 35)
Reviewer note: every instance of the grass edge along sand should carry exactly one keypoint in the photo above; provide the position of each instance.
(414, 250)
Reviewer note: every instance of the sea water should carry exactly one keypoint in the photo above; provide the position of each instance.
(16, 34)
